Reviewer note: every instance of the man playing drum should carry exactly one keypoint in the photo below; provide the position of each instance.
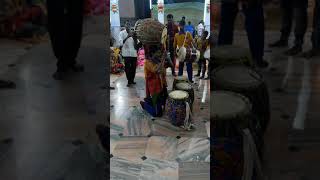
(202, 45)
(183, 39)
(172, 30)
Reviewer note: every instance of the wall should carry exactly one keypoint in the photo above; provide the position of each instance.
(126, 8)
(192, 11)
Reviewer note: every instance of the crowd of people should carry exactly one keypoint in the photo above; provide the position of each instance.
(182, 40)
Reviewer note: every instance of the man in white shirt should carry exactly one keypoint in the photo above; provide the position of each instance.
(129, 54)
(200, 28)
(123, 35)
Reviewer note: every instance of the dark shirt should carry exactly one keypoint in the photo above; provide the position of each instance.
(182, 23)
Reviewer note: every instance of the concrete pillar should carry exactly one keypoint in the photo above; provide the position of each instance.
(115, 20)
(161, 11)
(206, 17)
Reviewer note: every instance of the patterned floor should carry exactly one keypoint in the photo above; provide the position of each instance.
(143, 147)
(292, 140)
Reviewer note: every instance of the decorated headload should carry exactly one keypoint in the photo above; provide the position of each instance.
(150, 31)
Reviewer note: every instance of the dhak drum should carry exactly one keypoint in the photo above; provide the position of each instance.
(248, 82)
(230, 54)
(178, 108)
(228, 159)
(230, 113)
(192, 55)
(188, 88)
(179, 79)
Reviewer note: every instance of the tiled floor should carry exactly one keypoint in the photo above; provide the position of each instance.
(44, 116)
(146, 148)
(293, 87)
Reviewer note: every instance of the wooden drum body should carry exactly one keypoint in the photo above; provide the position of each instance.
(192, 55)
(176, 107)
(179, 79)
(230, 113)
(248, 82)
(187, 88)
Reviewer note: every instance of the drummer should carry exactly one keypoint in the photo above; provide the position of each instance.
(156, 84)
(172, 30)
(202, 45)
(178, 42)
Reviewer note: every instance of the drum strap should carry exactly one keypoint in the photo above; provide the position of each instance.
(184, 41)
(187, 120)
(251, 157)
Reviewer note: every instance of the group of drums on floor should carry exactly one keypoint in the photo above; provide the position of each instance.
(178, 104)
(240, 113)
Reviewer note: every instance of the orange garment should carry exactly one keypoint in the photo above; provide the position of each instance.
(155, 82)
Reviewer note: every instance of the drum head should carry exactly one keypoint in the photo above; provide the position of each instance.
(181, 78)
(227, 105)
(237, 76)
(183, 86)
(230, 52)
(178, 95)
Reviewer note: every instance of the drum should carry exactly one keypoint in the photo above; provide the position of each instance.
(228, 159)
(192, 55)
(248, 82)
(229, 54)
(178, 108)
(230, 113)
(232, 160)
(179, 79)
(188, 88)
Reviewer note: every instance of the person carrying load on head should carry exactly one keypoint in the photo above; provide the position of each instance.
(154, 40)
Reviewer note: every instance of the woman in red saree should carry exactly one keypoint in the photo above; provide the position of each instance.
(156, 84)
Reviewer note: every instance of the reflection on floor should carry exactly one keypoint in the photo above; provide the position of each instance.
(292, 142)
(143, 147)
(44, 116)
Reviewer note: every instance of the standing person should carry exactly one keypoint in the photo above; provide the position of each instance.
(200, 28)
(182, 21)
(189, 28)
(184, 39)
(211, 43)
(130, 55)
(254, 23)
(293, 10)
(202, 46)
(65, 21)
(315, 38)
(123, 35)
(172, 30)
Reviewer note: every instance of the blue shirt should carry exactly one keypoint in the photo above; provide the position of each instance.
(189, 28)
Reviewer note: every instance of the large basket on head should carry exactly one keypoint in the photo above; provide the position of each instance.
(149, 31)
